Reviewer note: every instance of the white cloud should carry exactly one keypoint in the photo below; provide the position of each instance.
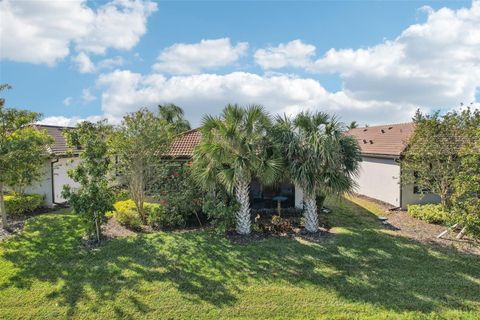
(110, 63)
(182, 58)
(83, 63)
(42, 32)
(118, 24)
(434, 64)
(87, 96)
(294, 53)
(126, 91)
(67, 101)
(68, 122)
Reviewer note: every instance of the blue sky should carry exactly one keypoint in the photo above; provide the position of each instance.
(370, 61)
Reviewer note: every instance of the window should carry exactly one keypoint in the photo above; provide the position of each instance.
(418, 189)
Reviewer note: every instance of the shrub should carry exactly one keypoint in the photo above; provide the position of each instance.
(22, 203)
(180, 195)
(158, 216)
(126, 214)
(121, 193)
(163, 217)
(220, 213)
(432, 213)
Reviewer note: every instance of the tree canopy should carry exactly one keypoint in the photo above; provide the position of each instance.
(235, 149)
(23, 149)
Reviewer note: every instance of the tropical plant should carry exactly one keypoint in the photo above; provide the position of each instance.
(95, 197)
(138, 145)
(319, 158)
(353, 125)
(23, 149)
(174, 115)
(234, 149)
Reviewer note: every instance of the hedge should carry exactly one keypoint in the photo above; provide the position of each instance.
(432, 213)
(157, 215)
(22, 203)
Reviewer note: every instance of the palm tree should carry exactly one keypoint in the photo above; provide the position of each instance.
(233, 150)
(353, 125)
(319, 158)
(174, 115)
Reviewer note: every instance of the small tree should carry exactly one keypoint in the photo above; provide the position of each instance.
(94, 197)
(139, 145)
(23, 150)
(432, 160)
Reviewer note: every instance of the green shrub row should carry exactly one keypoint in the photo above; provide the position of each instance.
(22, 203)
(157, 216)
(432, 213)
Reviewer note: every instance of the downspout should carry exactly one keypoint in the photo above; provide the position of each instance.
(53, 179)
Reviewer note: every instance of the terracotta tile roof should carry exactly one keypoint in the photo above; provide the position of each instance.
(185, 143)
(59, 146)
(389, 139)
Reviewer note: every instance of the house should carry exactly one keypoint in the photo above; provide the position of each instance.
(261, 196)
(54, 173)
(380, 170)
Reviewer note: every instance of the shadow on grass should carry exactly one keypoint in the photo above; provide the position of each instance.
(361, 263)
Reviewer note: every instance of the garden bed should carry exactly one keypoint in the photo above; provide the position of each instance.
(400, 223)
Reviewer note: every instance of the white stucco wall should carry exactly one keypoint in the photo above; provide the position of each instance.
(44, 185)
(61, 177)
(379, 178)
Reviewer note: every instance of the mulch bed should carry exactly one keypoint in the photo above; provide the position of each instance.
(425, 232)
(295, 233)
(14, 227)
(400, 223)
(113, 229)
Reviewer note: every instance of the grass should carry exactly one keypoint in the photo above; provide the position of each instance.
(361, 272)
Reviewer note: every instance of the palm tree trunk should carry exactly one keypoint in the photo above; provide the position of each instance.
(3, 212)
(243, 215)
(310, 214)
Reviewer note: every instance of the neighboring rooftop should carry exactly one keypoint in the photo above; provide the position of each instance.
(59, 146)
(183, 146)
(389, 139)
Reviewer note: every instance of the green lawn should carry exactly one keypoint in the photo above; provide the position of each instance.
(362, 272)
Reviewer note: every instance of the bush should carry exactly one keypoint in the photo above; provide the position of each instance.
(126, 214)
(163, 217)
(22, 203)
(432, 213)
(220, 213)
(158, 216)
(177, 191)
(121, 193)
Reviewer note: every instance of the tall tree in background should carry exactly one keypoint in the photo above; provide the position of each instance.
(235, 149)
(139, 145)
(319, 158)
(353, 125)
(432, 160)
(23, 149)
(174, 115)
(466, 196)
(94, 197)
